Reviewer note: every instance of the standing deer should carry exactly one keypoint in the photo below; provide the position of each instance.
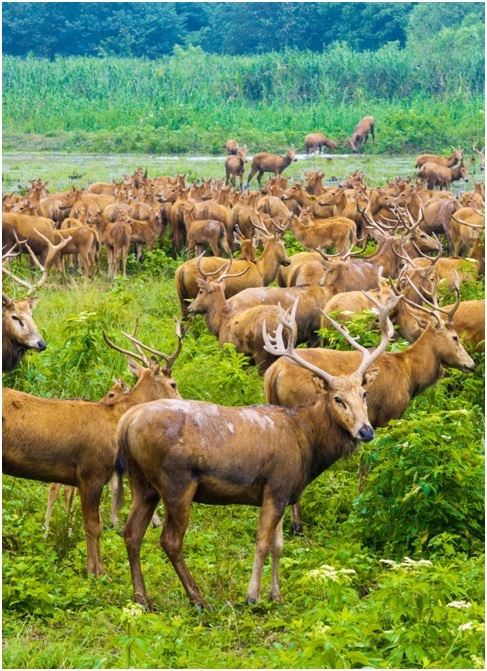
(73, 441)
(361, 133)
(185, 451)
(265, 162)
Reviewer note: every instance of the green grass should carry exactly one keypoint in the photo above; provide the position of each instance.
(193, 102)
(361, 612)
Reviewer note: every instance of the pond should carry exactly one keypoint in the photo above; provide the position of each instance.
(62, 169)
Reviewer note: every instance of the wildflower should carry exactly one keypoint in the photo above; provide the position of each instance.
(459, 604)
(467, 625)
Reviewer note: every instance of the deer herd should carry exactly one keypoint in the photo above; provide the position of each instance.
(321, 402)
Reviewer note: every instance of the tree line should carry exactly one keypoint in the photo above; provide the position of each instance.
(152, 30)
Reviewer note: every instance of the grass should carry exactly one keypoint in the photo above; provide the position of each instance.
(193, 102)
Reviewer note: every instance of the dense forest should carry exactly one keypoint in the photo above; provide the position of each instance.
(133, 29)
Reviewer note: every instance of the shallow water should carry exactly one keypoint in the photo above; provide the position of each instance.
(63, 169)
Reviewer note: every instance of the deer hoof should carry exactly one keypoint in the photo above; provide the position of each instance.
(297, 529)
(251, 600)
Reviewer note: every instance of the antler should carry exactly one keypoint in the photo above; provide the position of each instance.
(386, 328)
(51, 254)
(140, 347)
(275, 344)
(205, 275)
(466, 223)
(434, 301)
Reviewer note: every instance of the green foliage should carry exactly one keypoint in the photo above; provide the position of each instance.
(388, 578)
(193, 101)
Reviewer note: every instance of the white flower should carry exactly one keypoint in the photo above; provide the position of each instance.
(459, 604)
(467, 625)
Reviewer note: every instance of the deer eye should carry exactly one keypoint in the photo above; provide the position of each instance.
(365, 394)
(455, 338)
(111, 394)
(173, 385)
(21, 323)
(337, 399)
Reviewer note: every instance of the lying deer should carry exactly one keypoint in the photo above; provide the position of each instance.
(185, 451)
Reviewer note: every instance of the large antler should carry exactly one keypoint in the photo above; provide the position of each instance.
(51, 254)
(275, 344)
(140, 346)
(434, 301)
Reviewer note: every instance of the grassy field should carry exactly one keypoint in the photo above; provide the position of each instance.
(352, 598)
(193, 102)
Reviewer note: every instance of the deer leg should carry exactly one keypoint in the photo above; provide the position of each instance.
(276, 547)
(113, 487)
(144, 501)
(259, 177)
(90, 495)
(53, 494)
(269, 519)
(296, 519)
(214, 248)
(69, 497)
(176, 516)
(252, 173)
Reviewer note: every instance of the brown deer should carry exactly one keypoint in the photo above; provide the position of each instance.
(337, 232)
(117, 238)
(437, 175)
(361, 133)
(481, 154)
(445, 161)
(265, 162)
(185, 451)
(316, 141)
(466, 226)
(261, 272)
(241, 328)
(119, 390)
(203, 232)
(19, 331)
(235, 167)
(231, 147)
(73, 441)
(401, 375)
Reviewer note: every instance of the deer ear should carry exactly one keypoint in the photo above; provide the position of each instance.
(33, 300)
(319, 383)
(134, 367)
(154, 364)
(369, 376)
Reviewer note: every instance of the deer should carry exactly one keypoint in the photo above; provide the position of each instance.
(337, 232)
(117, 238)
(185, 451)
(261, 272)
(231, 147)
(481, 155)
(361, 133)
(445, 161)
(112, 397)
(308, 316)
(316, 141)
(19, 331)
(203, 232)
(265, 162)
(401, 375)
(466, 225)
(235, 166)
(241, 328)
(72, 442)
(437, 175)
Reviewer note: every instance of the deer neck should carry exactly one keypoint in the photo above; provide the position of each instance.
(218, 314)
(421, 363)
(267, 264)
(321, 439)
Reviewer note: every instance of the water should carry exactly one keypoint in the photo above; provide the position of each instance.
(63, 169)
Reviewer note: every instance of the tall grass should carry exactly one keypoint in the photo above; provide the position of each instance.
(193, 101)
